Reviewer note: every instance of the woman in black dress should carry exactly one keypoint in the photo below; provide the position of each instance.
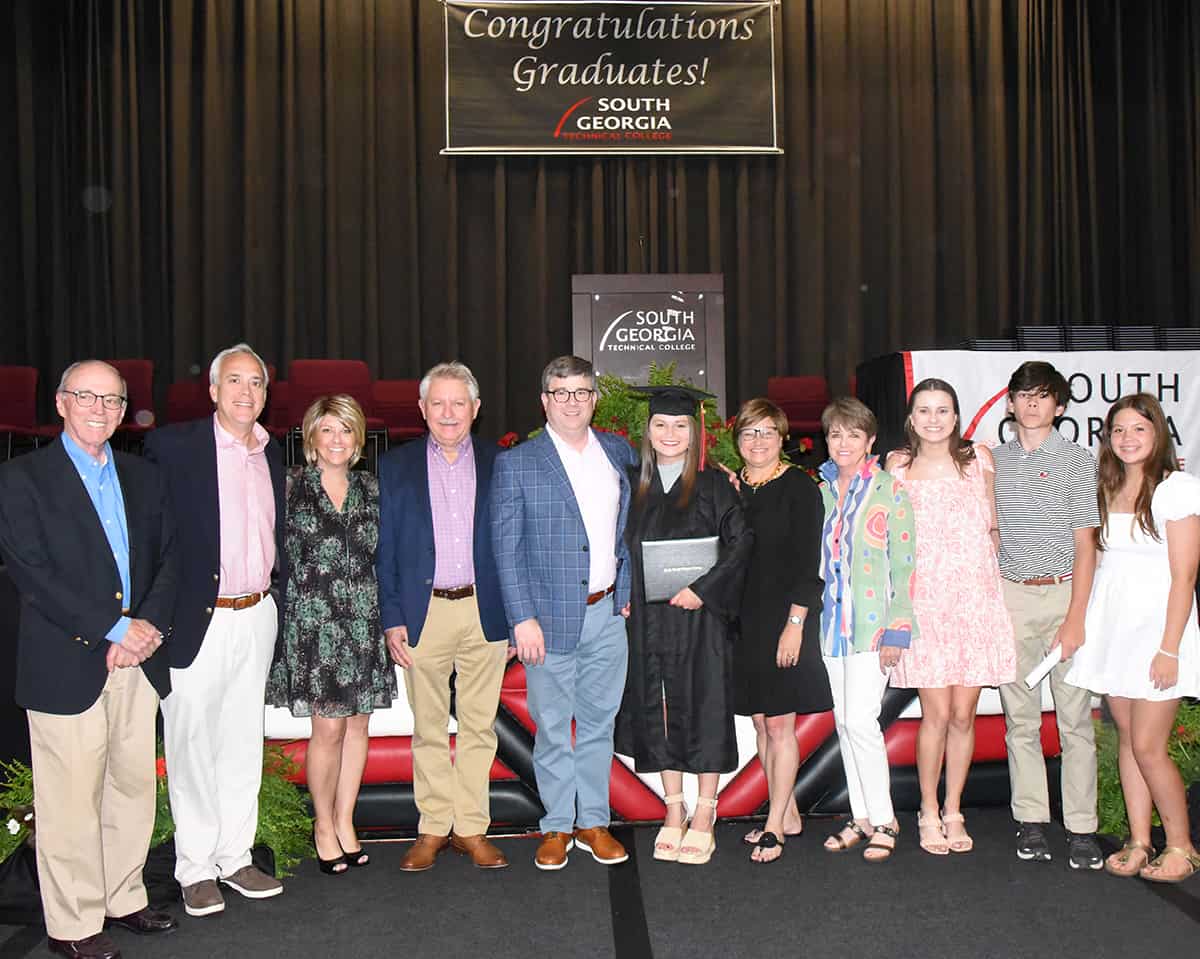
(677, 712)
(332, 664)
(777, 664)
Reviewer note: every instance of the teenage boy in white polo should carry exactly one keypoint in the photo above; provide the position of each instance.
(1046, 504)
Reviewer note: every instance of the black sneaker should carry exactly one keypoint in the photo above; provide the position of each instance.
(1031, 842)
(1083, 852)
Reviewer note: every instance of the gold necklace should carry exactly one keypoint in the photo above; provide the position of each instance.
(778, 472)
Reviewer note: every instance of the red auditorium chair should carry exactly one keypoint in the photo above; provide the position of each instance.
(802, 398)
(18, 407)
(395, 402)
(188, 400)
(139, 411)
(310, 379)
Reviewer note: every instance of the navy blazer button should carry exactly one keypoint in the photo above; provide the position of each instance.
(117, 596)
(585, 547)
(583, 582)
(216, 577)
(78, 639)
(208, 609)
(428, 582)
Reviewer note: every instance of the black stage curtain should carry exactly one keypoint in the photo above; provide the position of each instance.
(183, 174)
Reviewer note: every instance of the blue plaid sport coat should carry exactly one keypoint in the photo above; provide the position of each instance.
(540, 541)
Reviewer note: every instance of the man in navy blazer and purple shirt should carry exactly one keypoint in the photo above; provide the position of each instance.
(439, 600)
(559, 505)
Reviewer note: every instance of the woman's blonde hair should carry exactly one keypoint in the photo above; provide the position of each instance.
(345, 410)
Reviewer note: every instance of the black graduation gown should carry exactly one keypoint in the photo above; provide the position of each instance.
(684, 656)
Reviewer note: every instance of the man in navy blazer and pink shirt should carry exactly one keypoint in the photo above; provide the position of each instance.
(439, 599)
(226, 484)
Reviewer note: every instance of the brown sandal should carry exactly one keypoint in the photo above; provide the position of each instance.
(884, 847)
(1122, 862)
(839, 843)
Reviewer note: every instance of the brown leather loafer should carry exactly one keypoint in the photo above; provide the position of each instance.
(98, 946)
(552, 853)
(481, 850)
(601, 844)
(145, 922)
(423, 853)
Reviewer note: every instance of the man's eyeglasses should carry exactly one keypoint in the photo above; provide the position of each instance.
(757, 432)
(581, 395)
(86, 399)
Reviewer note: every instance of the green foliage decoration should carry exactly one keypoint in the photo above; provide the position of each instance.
(1183, 747)
(16, 807)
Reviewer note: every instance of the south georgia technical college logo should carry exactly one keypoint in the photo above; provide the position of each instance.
(616, 120)
(651, 330)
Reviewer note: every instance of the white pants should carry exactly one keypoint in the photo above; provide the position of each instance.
(857, 684)
(213, 733)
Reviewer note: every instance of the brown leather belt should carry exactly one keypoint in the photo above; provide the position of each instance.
(1047, 580)
(458, 592)
(240, 602)
(594, 598)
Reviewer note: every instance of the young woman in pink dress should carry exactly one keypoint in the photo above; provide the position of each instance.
(966, 634)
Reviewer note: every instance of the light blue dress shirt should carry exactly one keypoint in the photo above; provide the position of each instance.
(104, 490)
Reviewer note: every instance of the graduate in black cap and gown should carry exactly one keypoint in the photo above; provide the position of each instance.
(677, 712)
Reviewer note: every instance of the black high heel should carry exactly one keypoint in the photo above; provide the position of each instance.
(330, 866)
(357, 859)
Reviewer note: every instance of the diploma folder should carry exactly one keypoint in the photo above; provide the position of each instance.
(669, 565)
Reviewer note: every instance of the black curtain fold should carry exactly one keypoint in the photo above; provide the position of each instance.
(187, 173)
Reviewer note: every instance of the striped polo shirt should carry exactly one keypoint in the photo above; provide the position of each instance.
(1042, 497)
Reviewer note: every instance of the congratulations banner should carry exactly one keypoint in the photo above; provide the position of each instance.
(610, 77)
(1097, 379)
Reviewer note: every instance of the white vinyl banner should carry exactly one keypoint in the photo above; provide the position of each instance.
(1097, 380)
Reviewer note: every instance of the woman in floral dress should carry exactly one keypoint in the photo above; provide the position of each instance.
(333, 665)
(966, 634)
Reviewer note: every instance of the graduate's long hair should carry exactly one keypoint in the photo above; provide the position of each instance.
(691, 464)
(1111, 471)
(961, 451)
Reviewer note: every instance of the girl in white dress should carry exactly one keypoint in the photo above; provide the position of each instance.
(1142, 647)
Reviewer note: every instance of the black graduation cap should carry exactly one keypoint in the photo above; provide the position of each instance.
(673, 400)
(678, 401)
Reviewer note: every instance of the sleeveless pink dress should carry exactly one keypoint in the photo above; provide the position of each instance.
(966, 636)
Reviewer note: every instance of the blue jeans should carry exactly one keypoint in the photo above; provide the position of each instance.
(586, 684)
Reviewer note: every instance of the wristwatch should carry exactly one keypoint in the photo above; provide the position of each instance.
(796, 620)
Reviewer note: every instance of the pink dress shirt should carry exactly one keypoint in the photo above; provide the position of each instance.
(247, 510)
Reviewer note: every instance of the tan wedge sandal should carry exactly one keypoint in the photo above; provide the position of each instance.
(698, 847)
(669, 838)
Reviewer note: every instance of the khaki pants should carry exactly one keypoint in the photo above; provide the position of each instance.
(454, 795)
(93, 787)
(1037, 612)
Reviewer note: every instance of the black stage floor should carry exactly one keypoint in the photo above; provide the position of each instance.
(810, 903)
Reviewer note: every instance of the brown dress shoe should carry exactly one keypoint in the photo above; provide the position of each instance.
(98, 946)
(423, 853)
(552, 853)
(145, 922)
(482, 852)
(601, 844)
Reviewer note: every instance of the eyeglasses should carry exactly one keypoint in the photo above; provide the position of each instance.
(563, 395)
(87, 399)
(757, 432)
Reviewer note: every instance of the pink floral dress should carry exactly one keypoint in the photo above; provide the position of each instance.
(966, 636)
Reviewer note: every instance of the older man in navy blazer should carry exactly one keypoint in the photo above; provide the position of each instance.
(90, 545)
(559, 504)
(439, 600)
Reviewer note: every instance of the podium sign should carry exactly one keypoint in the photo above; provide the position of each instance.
(625, 322)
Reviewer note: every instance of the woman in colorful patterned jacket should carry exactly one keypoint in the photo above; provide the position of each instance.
(868, 557)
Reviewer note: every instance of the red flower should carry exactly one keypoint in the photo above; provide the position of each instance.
(710, 440)
(1181, 730)
(508, 440)
(160, 767)
(805, 444)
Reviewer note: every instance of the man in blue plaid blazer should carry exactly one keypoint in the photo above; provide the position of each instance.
(559, 504)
